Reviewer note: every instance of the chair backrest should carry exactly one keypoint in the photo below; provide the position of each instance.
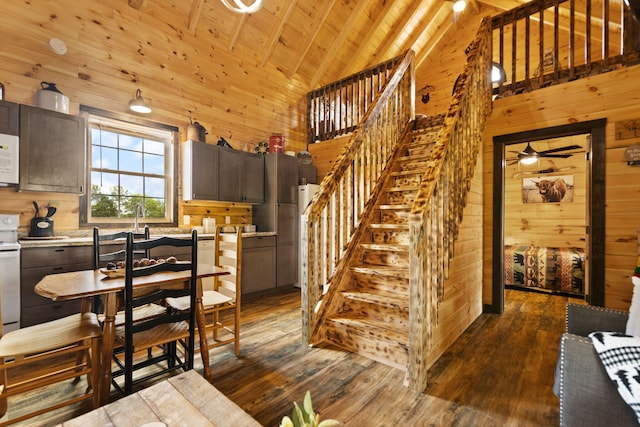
(228, 255)
(162, 292)
(101, 256)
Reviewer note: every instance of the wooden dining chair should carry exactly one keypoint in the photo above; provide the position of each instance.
(222, 302)
(37, 356)
(105, 251)
(165, 331)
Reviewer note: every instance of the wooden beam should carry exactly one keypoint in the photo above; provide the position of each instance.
(425, 22)
(311, 37)
(275, 36)
(194, 14)
(237, 29)
(340, 41)
(434, 40)
(137, 4)
(356, 62)
(398, 29)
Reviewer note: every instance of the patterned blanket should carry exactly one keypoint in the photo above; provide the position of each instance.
(555, 269)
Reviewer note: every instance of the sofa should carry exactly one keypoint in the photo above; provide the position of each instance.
(588, 397)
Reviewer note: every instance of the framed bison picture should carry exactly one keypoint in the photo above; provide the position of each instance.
(549, 189)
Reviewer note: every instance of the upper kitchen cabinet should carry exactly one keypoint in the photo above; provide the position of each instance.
(211, 172)
(286, 184)
(52, 151)
(241, 176)
(200, 171)
(9, 118)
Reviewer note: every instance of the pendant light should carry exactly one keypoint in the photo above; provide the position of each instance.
(239, 6)
(138, 104)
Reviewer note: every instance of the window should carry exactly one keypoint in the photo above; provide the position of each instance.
(131, 166)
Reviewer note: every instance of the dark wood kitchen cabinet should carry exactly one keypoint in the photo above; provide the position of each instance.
(9, 118)
(52, 151)
(200, 171)
(241, 176)
(39, 262)
(211, 172)
(279, 213)
(258, 263)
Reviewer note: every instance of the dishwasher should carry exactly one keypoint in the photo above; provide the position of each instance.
(10, 268)
(206, 254)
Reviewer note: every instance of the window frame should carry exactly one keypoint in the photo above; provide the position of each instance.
(171, 172)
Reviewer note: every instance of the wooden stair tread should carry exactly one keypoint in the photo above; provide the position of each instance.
(382, 270)
(385, 299)
(395, 207)
(391, 247)
(403, 188)
(371, 328)
(406, 172)
(389, 226)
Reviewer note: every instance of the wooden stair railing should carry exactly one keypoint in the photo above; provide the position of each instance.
(330, 221)
(337, 108)
(438, 207)
(547, 42)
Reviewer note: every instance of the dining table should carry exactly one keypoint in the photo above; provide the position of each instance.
(87, 284)
(182, 400)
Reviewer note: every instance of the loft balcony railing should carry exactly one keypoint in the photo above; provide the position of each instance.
(337, 108)
(548, 42)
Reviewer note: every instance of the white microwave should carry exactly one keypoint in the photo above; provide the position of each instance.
(9, 159)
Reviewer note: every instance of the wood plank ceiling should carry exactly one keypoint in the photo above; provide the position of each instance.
(318, 42)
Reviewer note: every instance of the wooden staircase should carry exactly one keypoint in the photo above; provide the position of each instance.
(371, 314)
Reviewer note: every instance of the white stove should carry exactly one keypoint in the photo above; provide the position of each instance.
(10, 267)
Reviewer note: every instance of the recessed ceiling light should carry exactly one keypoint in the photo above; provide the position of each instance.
(57, 46)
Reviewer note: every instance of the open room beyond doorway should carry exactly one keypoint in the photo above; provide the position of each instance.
(587, 174)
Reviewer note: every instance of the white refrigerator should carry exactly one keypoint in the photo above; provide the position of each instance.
(305, 194)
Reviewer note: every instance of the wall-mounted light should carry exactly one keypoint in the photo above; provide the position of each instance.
(497, 73)
(239, 6)
(138, 104)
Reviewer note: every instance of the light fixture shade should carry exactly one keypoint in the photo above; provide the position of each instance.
(528, 156)
(239, 6)
(138, 104)
(459, 6)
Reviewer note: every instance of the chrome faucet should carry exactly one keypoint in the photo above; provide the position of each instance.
(139, 213)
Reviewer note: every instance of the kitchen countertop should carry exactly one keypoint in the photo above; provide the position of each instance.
(75, 240)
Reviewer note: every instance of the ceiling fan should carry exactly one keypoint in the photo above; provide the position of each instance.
(529, 155)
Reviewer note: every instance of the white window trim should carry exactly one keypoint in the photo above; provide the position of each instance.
(142, 128)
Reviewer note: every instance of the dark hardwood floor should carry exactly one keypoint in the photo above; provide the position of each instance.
(498, 373)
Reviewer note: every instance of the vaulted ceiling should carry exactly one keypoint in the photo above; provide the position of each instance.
(318, 42)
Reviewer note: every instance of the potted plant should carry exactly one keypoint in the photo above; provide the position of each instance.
(305, 417)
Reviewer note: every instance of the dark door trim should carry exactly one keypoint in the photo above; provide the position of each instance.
(595, 201)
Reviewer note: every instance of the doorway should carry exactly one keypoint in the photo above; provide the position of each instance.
(594, 197)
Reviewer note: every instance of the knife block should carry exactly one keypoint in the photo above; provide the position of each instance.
(41, 226)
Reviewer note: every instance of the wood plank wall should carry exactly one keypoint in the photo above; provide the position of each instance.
(612, 96)
(114, 50)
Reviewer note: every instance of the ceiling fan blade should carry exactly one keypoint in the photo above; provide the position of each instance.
(555, 150)
(557, 156)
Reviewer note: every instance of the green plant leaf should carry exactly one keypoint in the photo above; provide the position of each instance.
(308, 407)
(298, 416)
(327, 423)
(286, 422)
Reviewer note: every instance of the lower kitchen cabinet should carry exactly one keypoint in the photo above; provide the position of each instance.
(39, 262)
(258, 264)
